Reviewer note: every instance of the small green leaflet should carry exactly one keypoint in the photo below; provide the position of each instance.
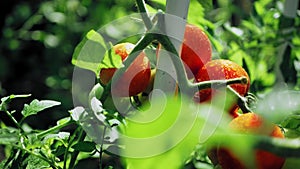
(7, 99)
(92, 53)
(36, 106)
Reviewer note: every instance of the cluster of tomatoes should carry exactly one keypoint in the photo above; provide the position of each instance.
(196, 55)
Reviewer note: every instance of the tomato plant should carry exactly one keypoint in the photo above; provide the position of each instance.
(125, 113)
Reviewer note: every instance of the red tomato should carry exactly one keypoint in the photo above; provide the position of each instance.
(136, 77)
(196, 49)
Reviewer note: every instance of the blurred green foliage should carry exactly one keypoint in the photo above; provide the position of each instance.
(37, 42)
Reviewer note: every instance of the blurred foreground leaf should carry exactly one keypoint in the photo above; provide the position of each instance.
(166, 134)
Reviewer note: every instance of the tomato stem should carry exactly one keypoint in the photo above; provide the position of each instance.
(242, 101)
(78, 136)
(144, 14)
(168, 45)
(219, 83)
(14, 121)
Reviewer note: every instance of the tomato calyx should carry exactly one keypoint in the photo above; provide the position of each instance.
(248, 103)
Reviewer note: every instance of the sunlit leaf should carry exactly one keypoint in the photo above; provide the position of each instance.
(96, 105)
(90, 52)
(8, 136)
(76, 113)
(207, 4)
(93, 123)
(36, 106)
(34, 162)
(111, 60)
(165, 135)
(7, 99)
(157, 4)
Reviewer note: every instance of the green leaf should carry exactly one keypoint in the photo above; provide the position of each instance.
(93, 123)
(8, 136)
(58, 136)
(2, 163)
(7, 99)
(77, 112)
(85, 146)
(90, 52)
(60, 150)
(165, 135)
(34, 162)
(36, 106)
(206, 4)
(111, 60)
(154, 5)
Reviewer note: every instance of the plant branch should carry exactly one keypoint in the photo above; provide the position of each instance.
(282, 147)
(14, 121)
(144, 13)
(53, 129)
(75, 154)
(219, 83)
(179, 68)
(51, 163)
(242, 101)
(101, 148)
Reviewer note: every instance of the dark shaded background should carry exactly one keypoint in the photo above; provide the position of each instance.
(37, 42)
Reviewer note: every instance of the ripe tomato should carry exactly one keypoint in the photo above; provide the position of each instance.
(217, 70)
(135, 79)
(196, 49)
(251, 123)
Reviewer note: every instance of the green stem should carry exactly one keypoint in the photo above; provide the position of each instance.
(51, 163)
(101, 148)
(14, 121)
(289, 148)
(242, 101)
(175, 20)
(70, 143)
(143, 10)
(53, 129)
(179, 67)
(75, 154)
